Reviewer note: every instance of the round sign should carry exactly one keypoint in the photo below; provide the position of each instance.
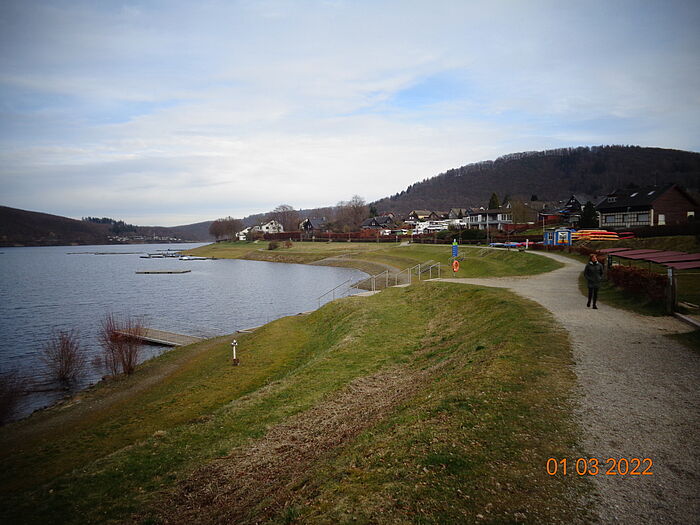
(455, 265)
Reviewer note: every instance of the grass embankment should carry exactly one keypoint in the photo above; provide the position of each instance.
(427, 404)
(375, 257)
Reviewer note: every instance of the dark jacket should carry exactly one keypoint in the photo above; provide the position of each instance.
(593, 274)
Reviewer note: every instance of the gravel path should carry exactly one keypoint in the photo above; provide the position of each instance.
(638, 398)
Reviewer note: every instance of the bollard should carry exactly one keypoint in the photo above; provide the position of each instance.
(235, 361)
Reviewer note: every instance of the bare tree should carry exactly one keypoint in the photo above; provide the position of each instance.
(287, 216)
(110, 340)
(121, 344)
(64, 357)
(225, 228)
(131, 347)
(10, 390)
(350, 214)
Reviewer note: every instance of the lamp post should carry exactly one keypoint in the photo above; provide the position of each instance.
(235, 361)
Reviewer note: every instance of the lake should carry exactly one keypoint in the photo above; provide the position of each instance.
(45, 289)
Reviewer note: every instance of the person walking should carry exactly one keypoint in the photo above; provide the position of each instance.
(594, 275)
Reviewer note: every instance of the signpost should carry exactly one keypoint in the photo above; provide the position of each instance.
(455, 252)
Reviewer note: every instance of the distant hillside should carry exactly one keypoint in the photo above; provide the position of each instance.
(29, 228)
(549, 175)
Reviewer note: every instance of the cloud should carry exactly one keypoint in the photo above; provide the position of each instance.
(230, 108)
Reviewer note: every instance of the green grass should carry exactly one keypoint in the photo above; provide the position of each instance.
(476, 262)
(473, 438)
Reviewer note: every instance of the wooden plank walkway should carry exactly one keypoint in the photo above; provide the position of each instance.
(162, 337)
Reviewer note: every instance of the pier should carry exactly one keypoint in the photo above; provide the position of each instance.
(161, 337)
(163, 271)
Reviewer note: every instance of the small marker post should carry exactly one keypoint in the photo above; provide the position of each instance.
(235, 361)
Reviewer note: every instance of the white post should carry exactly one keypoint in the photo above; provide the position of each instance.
(234, 344)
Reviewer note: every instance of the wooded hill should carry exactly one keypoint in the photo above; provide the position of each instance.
(548, 175)
(22, 227)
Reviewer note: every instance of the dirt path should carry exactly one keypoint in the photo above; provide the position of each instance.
(638, 395)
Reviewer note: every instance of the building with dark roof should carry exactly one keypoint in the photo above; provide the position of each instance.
(648, 206)
(314, 224)
(382, 222)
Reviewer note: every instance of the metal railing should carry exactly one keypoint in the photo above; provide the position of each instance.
(375, 282)
(333, 291)
(372, 280)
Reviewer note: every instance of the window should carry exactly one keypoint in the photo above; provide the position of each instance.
(691, 214)
(609, 218)
(612, 199)
(642, 217)
(662, 219)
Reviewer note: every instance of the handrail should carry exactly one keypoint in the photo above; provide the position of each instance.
(331, 290)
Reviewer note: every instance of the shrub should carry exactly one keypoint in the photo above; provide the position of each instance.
(639, 281)
(64, 357)
(273, 245)
(121, 344)
(288, 244)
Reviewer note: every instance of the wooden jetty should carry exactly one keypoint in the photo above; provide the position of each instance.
(163, 271)
(161, 337)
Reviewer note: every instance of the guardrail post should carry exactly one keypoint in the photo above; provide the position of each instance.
(671, 292)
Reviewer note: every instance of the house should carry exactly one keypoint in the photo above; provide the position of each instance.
(495, 218)
(648, 206)
(458, 213)
(375, 223)
(417, 216)
(571, 211)
(247, 234)
(437, 215)
(313, 224)
(430, 227)
(271, 227)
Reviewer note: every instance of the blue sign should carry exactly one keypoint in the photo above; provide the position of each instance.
(455, 248)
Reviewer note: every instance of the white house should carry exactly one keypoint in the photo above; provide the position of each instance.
(271, 227)
(430, 227)
(496, 218)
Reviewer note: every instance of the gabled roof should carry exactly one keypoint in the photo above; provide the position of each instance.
(636, 198)
(382, 220)
(420, 212)
(315, 222)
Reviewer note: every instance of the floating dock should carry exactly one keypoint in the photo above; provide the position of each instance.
(163, 271)
(161, 337)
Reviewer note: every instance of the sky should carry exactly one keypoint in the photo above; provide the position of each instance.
(174, 112)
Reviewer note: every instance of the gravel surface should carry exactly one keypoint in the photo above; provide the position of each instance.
(638, 398)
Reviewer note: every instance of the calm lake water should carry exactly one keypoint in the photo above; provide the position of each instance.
(64, 288)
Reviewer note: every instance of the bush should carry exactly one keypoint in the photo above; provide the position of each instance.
(273, 245)
(288, 244)
(639, 281)
(64, 357)
(121, 344)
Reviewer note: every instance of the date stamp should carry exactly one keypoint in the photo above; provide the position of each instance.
(595, 467)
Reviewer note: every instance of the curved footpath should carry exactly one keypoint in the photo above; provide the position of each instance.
(638, 398)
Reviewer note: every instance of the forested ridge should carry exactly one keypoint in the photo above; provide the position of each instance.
(548, 175)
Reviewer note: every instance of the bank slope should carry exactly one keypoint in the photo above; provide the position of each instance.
(430, 403)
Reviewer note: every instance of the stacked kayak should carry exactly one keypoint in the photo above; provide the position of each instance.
(595, 235)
